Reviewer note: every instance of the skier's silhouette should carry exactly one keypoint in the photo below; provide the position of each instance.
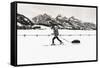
(55, 31)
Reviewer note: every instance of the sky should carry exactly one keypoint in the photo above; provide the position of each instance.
(82, 13)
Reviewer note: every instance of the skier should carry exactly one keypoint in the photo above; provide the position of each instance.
(55, 33)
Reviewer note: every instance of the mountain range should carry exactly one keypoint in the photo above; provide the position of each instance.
(46, 20)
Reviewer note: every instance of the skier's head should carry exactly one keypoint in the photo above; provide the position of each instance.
(55, 26)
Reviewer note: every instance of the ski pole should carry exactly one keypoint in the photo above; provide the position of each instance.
(65, 39)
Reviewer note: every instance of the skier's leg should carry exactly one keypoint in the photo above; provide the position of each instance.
(59, 40)
(53, 40)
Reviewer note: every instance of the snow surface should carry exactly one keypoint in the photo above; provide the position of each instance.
(38, 49)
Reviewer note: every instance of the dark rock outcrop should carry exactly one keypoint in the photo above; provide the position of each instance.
(25, 23)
